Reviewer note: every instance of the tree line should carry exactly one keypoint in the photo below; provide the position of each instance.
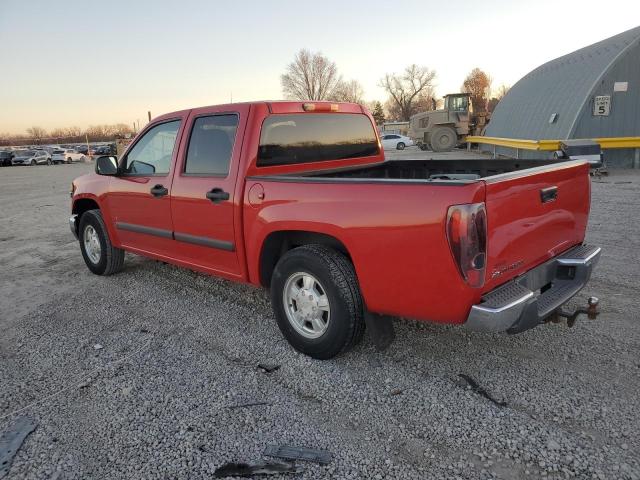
(313, 76)
(95, 133)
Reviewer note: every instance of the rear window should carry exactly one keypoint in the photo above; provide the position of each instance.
(302, 138)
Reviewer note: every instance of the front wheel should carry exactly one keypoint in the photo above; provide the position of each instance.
(69, 160)
(317, 301)
(100, 256)
(33, 163)
(48, 161)
(400, 146)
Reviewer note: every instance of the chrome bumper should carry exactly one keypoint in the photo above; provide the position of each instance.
(73, 225)
(519, 304)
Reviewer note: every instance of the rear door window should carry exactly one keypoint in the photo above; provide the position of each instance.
(211, 145)
(301, 138)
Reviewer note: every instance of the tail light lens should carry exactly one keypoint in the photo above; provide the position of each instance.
(467, 235)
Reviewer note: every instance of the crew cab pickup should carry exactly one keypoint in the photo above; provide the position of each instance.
(298, 198)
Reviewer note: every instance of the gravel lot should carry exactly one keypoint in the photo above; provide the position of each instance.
(135, 375)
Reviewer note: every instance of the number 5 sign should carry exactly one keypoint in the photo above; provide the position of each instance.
(602, 105)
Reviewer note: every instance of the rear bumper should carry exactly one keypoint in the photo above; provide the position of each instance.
(520, 305)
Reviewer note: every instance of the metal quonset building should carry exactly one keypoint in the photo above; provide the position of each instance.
(593, 92)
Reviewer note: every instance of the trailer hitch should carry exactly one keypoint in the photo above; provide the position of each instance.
(591, 311)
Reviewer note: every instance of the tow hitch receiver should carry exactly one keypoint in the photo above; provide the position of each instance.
(592, 311)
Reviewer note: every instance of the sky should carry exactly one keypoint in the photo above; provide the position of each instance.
(76, 63)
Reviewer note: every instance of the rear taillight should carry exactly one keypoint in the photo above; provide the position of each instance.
(467, 235)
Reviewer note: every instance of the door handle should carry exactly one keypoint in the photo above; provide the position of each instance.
(217, 195)
(159, 191)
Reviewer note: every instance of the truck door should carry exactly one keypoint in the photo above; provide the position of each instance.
(204, 197)
(138, 199)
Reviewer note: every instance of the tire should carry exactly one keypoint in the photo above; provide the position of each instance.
(83, 159)
(69, 160)
(400, 146)
(48, 161)
(444, 139)
(424, 147)
(111, 259)
(337, 280)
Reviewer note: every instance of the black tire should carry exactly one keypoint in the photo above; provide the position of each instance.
(336, 274)
(400, 146)
(69, 160)
(444, 139)
(48, 161)
(424, 147)
(33, 163)
(111, 258)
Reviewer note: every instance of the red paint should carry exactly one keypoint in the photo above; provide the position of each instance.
(395, 234)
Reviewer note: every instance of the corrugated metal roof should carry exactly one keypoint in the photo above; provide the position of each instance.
(561, 86)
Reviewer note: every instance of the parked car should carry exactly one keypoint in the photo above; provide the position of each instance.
(298, 198)
(31, 157)
(5, 158)
(67, 155)
(395, 141)
(105, 150)
(82, 149)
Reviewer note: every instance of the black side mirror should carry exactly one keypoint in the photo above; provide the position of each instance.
(107, 165)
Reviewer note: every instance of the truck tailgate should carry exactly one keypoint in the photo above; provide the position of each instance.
(533, 215)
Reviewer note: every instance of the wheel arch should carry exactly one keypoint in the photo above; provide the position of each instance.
(277, 243)
(83, 204)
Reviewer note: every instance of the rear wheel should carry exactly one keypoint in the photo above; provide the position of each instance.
(317, 301)
(69, 160)
(101, 257)
(443, 139)
(400, 146)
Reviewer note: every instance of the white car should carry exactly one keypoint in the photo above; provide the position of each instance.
(67, 155)
(395, 141)
(31, 157)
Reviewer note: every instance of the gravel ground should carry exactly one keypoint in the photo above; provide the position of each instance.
(136, 375)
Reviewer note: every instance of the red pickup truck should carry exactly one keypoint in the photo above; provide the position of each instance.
(298, 198)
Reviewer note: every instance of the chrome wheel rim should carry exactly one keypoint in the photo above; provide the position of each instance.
(92, 244)
(306, 304)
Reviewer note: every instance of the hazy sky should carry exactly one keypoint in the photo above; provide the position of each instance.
(69, 62)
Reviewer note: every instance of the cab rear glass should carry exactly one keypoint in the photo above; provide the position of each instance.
(317, 137)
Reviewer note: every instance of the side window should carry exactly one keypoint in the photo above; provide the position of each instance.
(151, 155)
(211, 145)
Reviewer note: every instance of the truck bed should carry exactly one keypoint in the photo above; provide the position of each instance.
(435, 170)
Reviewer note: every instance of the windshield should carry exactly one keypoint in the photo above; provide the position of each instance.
(25, 153)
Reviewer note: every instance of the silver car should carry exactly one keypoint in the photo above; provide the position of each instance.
(31, 157)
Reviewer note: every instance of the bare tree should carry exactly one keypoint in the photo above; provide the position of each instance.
(350, 91)
(501, 91)
(478, 85)
(498, 95)
(311, 76)
(404, 89)
(424, 102)
(37, 133)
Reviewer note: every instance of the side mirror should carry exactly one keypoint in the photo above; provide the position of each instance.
(107, 165)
